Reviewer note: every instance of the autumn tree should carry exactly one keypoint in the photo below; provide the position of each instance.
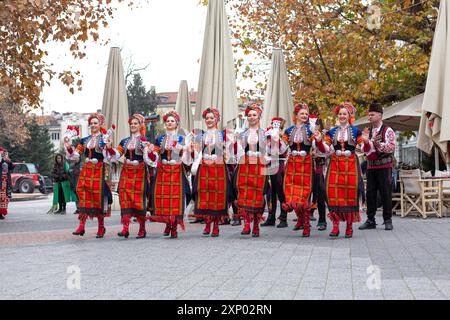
(26, 26)
(338, 50)
(12, 121)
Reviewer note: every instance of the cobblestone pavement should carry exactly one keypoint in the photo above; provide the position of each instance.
(41, 259)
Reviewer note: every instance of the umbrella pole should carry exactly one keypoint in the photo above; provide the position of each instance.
(436, 158)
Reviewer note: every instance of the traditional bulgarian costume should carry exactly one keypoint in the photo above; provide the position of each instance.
(211, 187)
(94, 195)
(299, 173)
(134, 183)
(343, 173)
(250, 182)
(168, 193)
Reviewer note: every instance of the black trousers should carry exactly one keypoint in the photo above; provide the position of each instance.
(277, 193)
(379, 180)
(61, 199)
(319, 195)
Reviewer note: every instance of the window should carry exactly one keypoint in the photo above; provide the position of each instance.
(55, 136)
(21, 168)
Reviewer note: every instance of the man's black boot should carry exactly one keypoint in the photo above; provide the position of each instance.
(369, 224)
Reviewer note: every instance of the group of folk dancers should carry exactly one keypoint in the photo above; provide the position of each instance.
(236, 170)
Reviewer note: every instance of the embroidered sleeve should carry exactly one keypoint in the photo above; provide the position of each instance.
(72, 154)
(151, 158)
(325, 146)
(389, 145)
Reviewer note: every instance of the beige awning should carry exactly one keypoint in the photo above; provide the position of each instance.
(278, 96)
(115, 103)
(183, 107)
(400, 116)
(217, 81)
(436, 128)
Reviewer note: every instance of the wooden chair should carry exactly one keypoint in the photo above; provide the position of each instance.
(420, 196)
(445, 190)
(397, 199)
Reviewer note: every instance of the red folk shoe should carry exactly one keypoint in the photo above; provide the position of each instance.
(167, 230)
(255, 232)
(80, 230)
(246, 229)
(306, 224)
(101, 227)
(173, 231)
(215, 232)
(349, 230)
(335, 230)
(299, 214)
(207, 229)
(142, 233)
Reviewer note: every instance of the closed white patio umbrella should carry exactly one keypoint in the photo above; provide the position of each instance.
(217, 81)
(183, 107)
(434, 127)
(115, 109)
(278, 97)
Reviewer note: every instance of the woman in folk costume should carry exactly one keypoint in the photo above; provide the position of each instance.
(134, 178)
(170, 186)
(343, 170)
(250, 181)
(6, 166)
(299, 173)
(211, 187)
(94, 195)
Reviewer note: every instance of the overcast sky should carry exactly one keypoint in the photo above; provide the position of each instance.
(168, 34)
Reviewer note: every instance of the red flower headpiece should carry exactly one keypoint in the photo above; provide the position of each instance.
(100, 117)
(173, 114)
(214, 111)
(300, 107)
(141, 120)
(350, 108)
(253, 107)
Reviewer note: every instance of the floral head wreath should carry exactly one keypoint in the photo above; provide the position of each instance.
(100, 117)
(141, 120)
(214, 111)
(101, 120)
(350, 108)
(173, 114)
(297, 109)
(253, 107)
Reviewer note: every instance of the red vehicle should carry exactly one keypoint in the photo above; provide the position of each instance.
(25, 178)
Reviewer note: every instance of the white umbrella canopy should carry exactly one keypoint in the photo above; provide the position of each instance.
(434, 130)
(115, 110)
(278, 97)
(217, 80)
(402, 116)
(115, 103)
(183, 107)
